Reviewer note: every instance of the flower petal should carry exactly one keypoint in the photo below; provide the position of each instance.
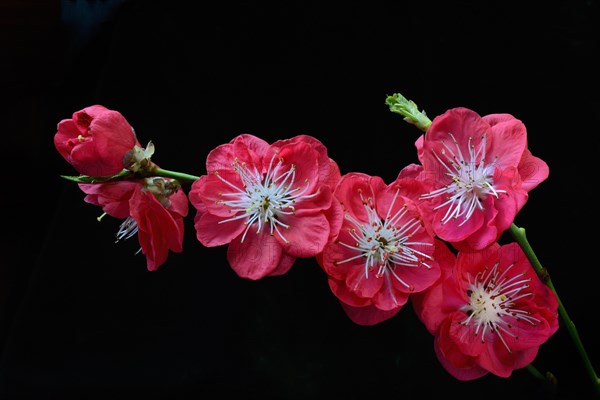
(460, 366)
(158, 231)
(211, 231)
(256, 257)
(303, 158)
(452, 231)
(533, 170)
(368, 315)
(508, 139)
(306, 236)
(113, 197)
(285, 264)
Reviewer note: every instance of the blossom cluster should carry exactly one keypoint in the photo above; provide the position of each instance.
(431, 236)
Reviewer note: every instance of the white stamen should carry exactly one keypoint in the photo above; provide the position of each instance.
(385, 243)
(127, 229)
(264, 201)
(470, 180)
(492, 302)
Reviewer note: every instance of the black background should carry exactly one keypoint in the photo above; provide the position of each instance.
(81, 317)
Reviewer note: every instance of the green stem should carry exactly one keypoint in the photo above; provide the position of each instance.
(124, 174)
(180, 176)
(519, 235)
(127, 174)
(535, 372)
(549, 377)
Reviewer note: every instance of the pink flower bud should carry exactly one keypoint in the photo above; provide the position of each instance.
(95, 140)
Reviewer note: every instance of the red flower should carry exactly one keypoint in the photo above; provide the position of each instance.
(153, 208)
(95, 141)
(481, 172)
(270, 203)
(383, 252)
(489, 311)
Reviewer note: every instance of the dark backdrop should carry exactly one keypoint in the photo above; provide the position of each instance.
(81, 317)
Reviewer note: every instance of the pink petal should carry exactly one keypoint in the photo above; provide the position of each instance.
(306, 236)
(508, 139)
(305, 160)
(158, 231)
(388, 299)
(361, 284)
(428, 304)
(112, 134)
(316, 204)
(369, 315)
(65, 138)
(113, 197)
(285, 264)
(212, 190)
(335, 217)
(212, 232)
(468, 372)
(349, 191)
(332, 175)
(179, 203)
(341, 291)
(223, 157)
(335, 252)
(410, 182)
(253, 143)
(493, 362)
(465, 342)
(419, 278)
(533, 170)
(463, 124)
(451, 231)
(256, 257)
(329, 171)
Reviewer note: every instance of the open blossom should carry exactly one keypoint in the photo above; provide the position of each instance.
(384, 251)
(152, 208)
(481, 172)
(270, 203)
(95, 141)
(489, 312)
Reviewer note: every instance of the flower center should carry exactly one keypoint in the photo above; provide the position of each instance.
(492, 306)
(385, 244)
(264, 199)
(81, 138)
(470, 180)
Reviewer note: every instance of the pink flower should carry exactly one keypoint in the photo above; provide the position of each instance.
(383, 252)
(489, 311)
(153, 208)
(481, 172)
(270, 203)
(95, 141)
